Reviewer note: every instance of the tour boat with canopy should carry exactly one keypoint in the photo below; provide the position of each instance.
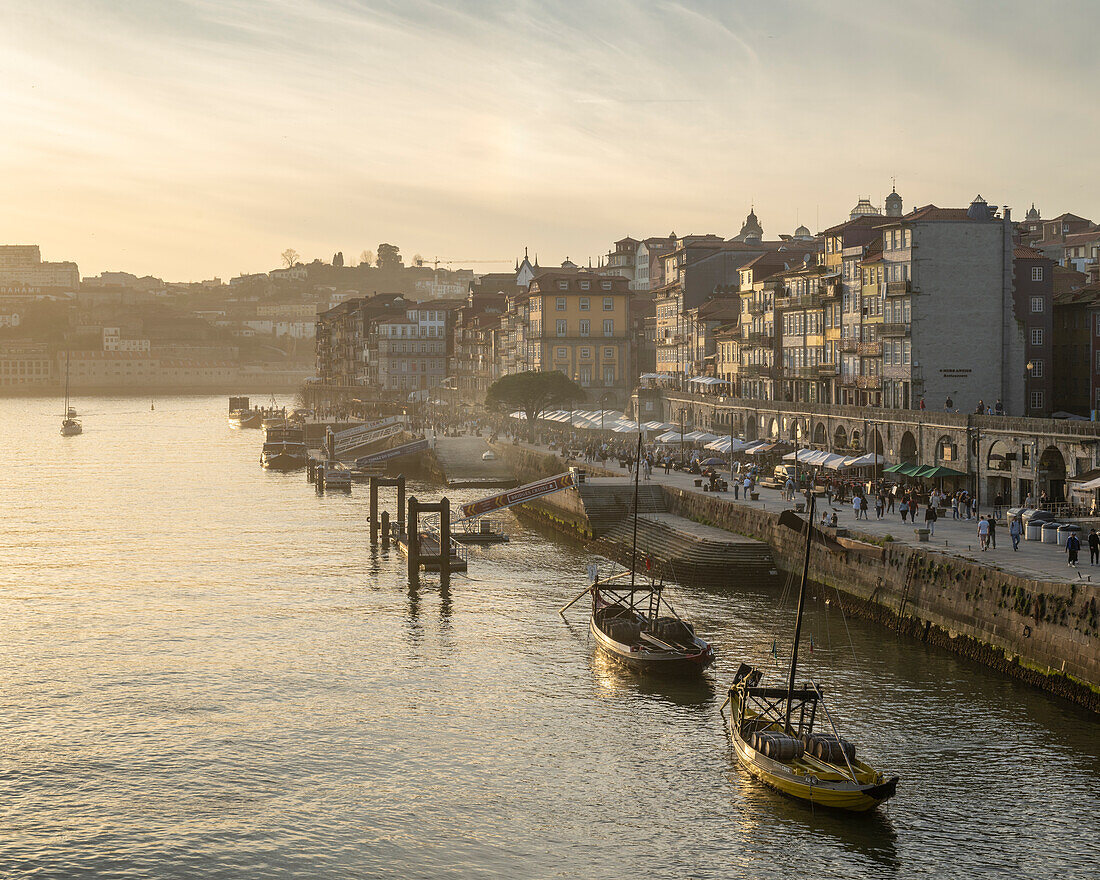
(779, 736)
(70, 424)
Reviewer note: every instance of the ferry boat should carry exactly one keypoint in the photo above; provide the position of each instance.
(70, 424)
(284, 449)
(241, 415)
(778, 735)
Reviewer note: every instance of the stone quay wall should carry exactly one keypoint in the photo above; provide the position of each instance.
(1043, 633)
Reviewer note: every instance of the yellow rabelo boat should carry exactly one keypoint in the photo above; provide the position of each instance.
(780, 738)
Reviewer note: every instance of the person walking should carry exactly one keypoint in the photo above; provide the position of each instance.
(983, 533)
(1015, 530)
(857, 505)
(930, 518)
(992, 532)
(736, 487)
(904, 507)
(955, 506)
(880, 505)
(1094, 548)
(891, 497)
(1072, 547)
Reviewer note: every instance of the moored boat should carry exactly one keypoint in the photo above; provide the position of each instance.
(241, 415)
(777, 733)
(629, 625)
(284, 449)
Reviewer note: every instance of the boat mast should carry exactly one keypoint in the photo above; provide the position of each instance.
(65, 414)
(801, 606)
(634, 542)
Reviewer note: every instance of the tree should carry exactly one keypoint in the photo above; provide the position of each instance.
(532, 392)
(366, 258)
(389, 257)
(338, 259)
(290, 257)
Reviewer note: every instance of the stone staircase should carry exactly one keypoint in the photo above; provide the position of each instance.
(609, 505)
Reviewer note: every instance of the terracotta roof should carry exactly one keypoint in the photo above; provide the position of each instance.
(932, 212)
(1082, 237)
(1088, 295)
(864, 220)
(1020, 252)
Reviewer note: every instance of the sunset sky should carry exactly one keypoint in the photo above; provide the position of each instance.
(195, 138)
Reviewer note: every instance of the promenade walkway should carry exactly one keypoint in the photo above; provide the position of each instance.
(956, 537)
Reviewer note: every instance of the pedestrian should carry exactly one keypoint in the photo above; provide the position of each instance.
(948, 404)
(736, 487)
(1094, 548)
(930, 519)
(1015, 530)
(922, 403)
(904, 509)
(973, 507)
(992, 532)
(829, 494)
(1072, 546)
(880, 505)
(891, 497)
(747, 485)
(955, 506)
(856, 505)
(983, 533)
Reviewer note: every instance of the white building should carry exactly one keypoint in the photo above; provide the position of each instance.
(21, 264)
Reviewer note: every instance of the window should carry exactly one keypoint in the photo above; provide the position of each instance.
(585, 325)
(1036, 273)
(606, 285)
(609, 305)
(563, 353)
(1036, 399)
(609, 327)
(563, 285)
(608, 375)
(586, 353)
(1036, 336)
(585, 285)
(1037, 367)
(561, 327)
(584, 304)
(1036, 305)
(559, 304)
(609, 354)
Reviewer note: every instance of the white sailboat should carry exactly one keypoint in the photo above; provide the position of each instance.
(70, 424)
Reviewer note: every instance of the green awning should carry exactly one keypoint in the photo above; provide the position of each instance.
(941, 471)
(893, 469)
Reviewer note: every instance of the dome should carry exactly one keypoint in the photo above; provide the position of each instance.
(803, 232)
(864, 208)
(751, 230)
(1033, 214)
(979, 209)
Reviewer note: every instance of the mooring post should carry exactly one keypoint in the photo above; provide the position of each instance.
(412, 539)
(373, 511)
(385, 528)
(444, 541)
(400, 503)
(311, 470)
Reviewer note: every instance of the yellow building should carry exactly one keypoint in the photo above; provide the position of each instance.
(579, 324)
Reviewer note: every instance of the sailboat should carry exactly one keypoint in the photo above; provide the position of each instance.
(636, 626)
(776, 731)
(70, 424)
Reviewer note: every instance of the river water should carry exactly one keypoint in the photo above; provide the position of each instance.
(208, 672)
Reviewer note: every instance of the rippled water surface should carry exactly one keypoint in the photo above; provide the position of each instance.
(208, 672)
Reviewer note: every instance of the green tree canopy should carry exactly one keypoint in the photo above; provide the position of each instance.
(389, 257)
(532, 392)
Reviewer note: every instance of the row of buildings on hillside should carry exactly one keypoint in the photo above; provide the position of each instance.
(934, 307)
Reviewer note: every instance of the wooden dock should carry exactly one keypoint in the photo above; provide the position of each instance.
(429, 552)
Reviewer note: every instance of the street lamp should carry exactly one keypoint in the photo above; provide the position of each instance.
(1028, 367)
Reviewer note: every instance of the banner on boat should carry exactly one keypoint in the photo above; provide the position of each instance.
(361, 435)
(403, 449)
(518, 495)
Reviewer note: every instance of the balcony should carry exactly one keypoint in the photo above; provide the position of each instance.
(801, 301)
(759, 337)
(831, 289)
(868, 381)
(894, 329)
(848, 344)
(756, 307)
(898, 288)
(756, 371)
(827, 371)
(801, 372)
(870, 349)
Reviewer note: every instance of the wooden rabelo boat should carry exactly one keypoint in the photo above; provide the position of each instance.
(781, 739)
(636, 626)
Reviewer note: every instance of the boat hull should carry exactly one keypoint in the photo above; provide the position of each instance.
(844, 795)
(652, 662)
(71, 430)
(245, 420)
(284, 461)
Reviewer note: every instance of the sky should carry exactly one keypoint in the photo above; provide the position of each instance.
(194, 138)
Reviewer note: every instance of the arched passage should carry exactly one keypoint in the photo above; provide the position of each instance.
(1052, 474)
(855, 440)
(750, 430)
(946, 450)
(821, 436)
(907, 451)
(840, 438)
(773, 429)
